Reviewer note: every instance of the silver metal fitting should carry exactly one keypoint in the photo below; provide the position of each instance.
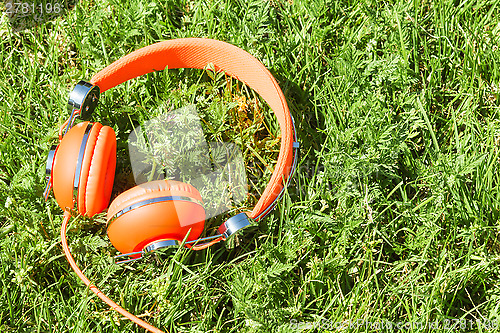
(160, 244)
(84, 97)
(50, 160)
(233, 225)
(48, 171)
(170, 243)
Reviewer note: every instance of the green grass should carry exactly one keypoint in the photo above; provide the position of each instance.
(393, 215)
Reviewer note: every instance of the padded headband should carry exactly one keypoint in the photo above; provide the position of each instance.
(197, 53)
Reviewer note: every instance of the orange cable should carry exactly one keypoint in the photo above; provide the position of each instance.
(205, 245)
(62, 128)
(92, 287)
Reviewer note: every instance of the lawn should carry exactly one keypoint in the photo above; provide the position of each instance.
(391, 219)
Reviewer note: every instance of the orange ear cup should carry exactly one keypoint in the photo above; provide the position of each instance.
(63, 170)
(97, 168)
(157, 210)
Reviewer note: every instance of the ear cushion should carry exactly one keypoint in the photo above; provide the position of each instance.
(148, 222)
(98, 170)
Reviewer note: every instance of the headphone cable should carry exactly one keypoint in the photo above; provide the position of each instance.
(95, 290)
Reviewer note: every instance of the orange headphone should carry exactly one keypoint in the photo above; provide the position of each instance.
(157, 214)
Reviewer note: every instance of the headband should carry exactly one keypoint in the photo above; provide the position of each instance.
(197, 53)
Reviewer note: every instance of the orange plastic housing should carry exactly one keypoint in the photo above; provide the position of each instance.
(97, 171)
(172, 219)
